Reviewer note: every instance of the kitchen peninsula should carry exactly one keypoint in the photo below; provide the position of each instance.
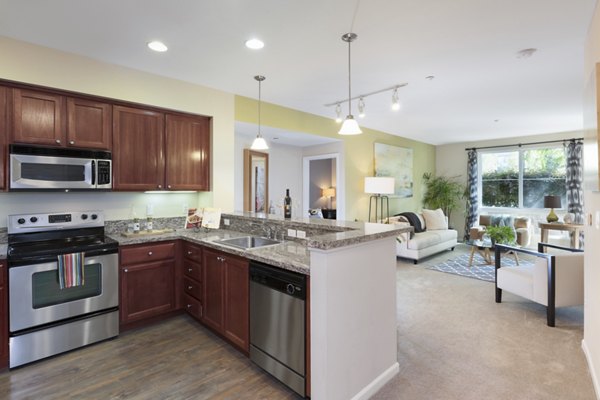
(352, 268)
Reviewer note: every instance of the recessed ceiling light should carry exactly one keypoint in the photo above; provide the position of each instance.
(255, 44)
(430, 77)
(157, 46)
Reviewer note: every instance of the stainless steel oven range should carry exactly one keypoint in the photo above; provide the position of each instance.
(44, 319)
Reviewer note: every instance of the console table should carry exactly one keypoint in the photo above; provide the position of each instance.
(573, 230)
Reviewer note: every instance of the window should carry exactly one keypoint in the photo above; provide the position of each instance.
(521, 178)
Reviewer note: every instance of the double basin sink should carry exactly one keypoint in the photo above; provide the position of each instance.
(248, 242)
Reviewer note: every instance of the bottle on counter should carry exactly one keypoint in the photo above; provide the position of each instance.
(287, 205)
(136, 221)
(149, 223)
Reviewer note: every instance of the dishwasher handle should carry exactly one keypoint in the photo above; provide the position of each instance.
(283, 281)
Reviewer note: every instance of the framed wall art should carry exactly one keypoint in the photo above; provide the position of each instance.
(396, 162)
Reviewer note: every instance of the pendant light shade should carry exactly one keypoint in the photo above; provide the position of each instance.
(350, 126)
(259, 142)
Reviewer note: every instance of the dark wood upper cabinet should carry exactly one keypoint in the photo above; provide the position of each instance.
(88, 124)
(3, 135)
(187, 152)
(38, 118)
(138, 156)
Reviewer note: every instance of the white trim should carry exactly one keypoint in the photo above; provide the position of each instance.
(593, 373)
(340, 179)
(368, 391)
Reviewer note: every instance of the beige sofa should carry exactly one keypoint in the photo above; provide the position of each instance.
(522, 225)
(416, 246)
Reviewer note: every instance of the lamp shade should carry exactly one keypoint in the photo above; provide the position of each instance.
(259, 143)
(350, 127)
(379, 185)
(552, 202)
(329, 192)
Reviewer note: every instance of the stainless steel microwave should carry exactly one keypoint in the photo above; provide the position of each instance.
(53, 168)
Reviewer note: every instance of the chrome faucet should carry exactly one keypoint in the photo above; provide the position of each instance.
(267, 229)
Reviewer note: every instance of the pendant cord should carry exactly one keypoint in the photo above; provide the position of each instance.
(349, 81)
(259, 84)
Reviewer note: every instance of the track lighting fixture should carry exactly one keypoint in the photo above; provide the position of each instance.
(361, 108)
(338, 113)
(350, 126)
(361, 101)
(395, 100)
(259, 142)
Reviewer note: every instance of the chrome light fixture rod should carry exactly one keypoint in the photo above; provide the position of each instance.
(259, 142)
(395, 87)
(349, 38)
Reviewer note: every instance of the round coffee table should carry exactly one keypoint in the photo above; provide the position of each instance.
(484, 248)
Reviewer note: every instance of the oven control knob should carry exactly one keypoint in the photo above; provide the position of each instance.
(290, 288)
(94, 216)
(84, 216)
(21, 221)
(33, 220)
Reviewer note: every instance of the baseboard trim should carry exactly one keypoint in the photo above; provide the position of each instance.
(591, 368)
(368, 391)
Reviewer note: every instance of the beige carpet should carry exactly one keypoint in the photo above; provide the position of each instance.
(455, 342)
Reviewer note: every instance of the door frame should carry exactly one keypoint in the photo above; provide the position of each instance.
(340, 179)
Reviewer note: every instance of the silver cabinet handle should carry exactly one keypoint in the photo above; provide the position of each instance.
(72, 142)
(169, 186)
(190, 269)
(189, 306)
(57, 141)
(160, 186)
(125, 270)
(149, 253)
(190, 287)
(189, 253)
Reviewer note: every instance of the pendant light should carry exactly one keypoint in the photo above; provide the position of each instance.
(350, 126)
(259, 142)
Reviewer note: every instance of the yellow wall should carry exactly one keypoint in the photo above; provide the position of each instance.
(358, 152)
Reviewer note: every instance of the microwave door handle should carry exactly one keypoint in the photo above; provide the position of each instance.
(93, 172)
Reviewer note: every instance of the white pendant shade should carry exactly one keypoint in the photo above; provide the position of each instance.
(379, 185)
(350, 127)
(259, 143)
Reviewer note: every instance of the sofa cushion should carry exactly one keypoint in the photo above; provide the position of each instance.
(431, 238)
(435, 219)
(414, 221)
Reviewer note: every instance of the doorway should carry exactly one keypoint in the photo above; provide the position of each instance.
(321, 174)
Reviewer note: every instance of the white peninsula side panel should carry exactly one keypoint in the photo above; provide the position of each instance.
(353, 319)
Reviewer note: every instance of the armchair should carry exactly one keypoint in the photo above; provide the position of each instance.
(554, 280)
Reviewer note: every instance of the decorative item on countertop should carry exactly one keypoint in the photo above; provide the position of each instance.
(552, 202)
(211, 218)
(135, 219)
(287, 204)
(194, 218)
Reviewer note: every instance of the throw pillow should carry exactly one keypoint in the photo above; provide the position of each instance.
(435, 219)
(414, 221)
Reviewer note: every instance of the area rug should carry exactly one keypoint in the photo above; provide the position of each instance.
(479, 270)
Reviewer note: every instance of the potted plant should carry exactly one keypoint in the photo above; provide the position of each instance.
(501, 234)
(442, 192)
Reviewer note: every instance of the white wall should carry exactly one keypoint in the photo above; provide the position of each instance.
(285, 172)
(591, 334)
(451, 160)
(29, 63)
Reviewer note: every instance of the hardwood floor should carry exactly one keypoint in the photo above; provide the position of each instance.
(174, 359)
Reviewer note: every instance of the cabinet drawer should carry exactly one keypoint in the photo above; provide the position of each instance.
(192, 251)
(193, 306)
(192, 270)
(192, 287)
(147, 253)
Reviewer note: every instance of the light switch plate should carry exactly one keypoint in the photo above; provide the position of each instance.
(300, 234)
(149, 209)
(291, 233)
(226, 221)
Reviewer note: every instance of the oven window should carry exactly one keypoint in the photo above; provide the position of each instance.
(53, 172)
(46, 291)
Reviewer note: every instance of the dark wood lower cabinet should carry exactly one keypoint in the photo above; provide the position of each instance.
(225, 287)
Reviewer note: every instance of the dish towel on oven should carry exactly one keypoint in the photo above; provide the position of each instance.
(70, 270)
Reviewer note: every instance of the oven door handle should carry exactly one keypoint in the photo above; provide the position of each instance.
(93, 172)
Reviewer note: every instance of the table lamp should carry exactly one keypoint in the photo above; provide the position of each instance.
(379, 186)
(329, 193)
(552, 202)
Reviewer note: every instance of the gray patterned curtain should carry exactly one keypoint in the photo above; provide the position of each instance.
(472, 205)
(574, 182)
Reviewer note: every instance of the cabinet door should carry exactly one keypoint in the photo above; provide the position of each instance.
(147, 290)
(3, 134)
(187, 152)
(89, 124)
(138, 143)
(236, 324)
(212, 289)
(38, 118)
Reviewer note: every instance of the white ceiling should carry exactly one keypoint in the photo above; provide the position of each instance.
(469, 45)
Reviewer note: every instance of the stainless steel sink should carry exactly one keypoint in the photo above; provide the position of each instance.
(248, 242)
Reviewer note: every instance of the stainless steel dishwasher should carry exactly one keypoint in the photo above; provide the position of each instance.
(277, 323)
